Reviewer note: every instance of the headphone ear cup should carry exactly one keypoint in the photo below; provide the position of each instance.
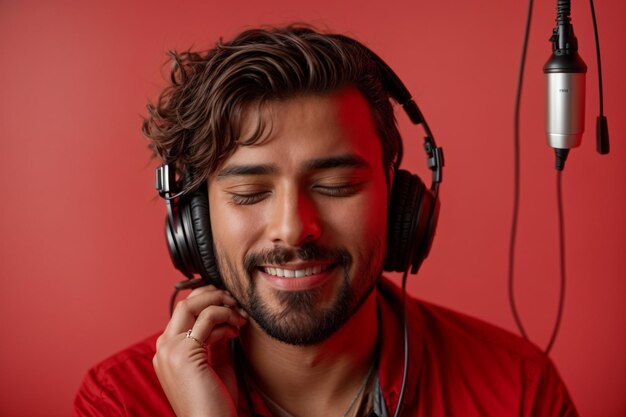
(428, 232)
(399, 221)
(189, 238)
(410, 228)
(200, 222)
(176, 239)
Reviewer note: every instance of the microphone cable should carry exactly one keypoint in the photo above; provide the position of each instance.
(516, 198)
(559, 315)
(516, 175)
(602, 146)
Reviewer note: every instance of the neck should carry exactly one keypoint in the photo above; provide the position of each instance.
(319, 379)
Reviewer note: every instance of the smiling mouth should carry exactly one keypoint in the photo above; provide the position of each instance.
(296, 273)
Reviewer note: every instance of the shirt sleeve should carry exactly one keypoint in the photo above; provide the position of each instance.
(95, 398)
(548, 396)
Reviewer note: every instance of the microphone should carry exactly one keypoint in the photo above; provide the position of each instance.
(565, 74)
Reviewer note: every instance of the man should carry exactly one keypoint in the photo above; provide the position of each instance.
(290, 138)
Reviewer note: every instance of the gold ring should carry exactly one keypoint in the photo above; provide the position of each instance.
(189, 336)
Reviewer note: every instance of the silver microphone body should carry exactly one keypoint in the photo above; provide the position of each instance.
(565, 109)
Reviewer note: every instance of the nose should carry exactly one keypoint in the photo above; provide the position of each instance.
(294, 220)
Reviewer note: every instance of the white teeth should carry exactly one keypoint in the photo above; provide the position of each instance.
(295, 273)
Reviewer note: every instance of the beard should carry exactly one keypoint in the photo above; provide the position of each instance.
(295, 317)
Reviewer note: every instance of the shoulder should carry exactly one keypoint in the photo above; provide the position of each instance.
(122, 384)
(134, 361)
(452, 330)
(478, 364)
(455, 328)
(500, 365)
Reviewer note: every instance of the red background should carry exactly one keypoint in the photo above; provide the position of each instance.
(84, 266)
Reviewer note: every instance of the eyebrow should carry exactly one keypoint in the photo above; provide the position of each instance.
(340, 161)
(243, 170)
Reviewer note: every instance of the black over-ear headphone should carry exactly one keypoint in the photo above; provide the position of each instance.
(412, 215)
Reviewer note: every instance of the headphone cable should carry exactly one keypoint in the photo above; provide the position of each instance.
(405, 324)
(405, 329)
(187, 284)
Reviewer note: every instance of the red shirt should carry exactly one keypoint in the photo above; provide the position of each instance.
(458, 366)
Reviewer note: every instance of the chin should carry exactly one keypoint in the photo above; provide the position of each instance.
(299, 319)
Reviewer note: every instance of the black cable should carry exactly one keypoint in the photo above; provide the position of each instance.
(187, 284)
(405, 371)
(559, 315)
(602, 125)
(516, 174)
(599, 61)
(405, 321)
(516, 179)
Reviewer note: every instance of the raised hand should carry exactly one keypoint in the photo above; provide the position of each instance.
(193, 360)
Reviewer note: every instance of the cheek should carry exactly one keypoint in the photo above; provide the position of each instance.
(363, 221)
(233, 234)
(229, 225)
(232, 230)
(376, 216)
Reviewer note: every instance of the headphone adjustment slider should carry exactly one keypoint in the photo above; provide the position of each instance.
(435, 159)
(163, 180)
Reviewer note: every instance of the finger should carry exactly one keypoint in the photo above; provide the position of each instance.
(189, 309)
(200, 291)
(222, 332)
(207, 288)
(213, 316)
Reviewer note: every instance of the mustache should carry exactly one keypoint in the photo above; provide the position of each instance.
(306, 252)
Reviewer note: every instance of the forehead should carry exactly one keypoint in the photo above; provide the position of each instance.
(309, 127)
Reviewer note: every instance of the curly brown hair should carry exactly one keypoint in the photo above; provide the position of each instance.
(196, 121)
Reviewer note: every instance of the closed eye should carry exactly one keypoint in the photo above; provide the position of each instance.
(244, 199)
(339, 190)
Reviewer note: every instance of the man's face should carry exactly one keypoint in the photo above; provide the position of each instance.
(299, 220)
